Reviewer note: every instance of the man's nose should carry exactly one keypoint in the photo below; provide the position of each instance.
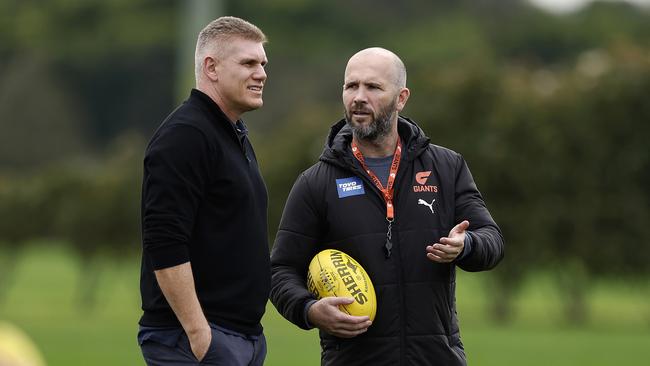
(360, 97)
(260, 74)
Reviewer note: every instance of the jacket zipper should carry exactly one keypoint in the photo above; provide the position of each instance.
(396, 247)
(240, 143)
(400, 269)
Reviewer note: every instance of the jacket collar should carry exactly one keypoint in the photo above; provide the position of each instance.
(205, 102)
(337, 147)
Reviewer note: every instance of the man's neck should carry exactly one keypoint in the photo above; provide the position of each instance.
(380, 147)
(211, 91)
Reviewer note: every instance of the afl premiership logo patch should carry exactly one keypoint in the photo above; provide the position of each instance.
(347, 187)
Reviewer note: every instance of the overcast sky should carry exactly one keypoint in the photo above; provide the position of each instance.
(567, 6)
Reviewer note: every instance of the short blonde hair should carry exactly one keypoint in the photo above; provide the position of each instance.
(218, 32)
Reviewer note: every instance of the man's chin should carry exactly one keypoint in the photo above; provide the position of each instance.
(363, 132)
(255, 104)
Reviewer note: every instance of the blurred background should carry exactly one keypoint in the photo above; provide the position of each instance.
(548, 101)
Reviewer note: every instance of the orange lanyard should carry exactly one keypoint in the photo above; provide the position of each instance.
(387, 192)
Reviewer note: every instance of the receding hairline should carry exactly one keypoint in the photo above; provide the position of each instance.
(399, 68)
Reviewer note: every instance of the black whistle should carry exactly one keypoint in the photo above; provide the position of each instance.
(387, 248)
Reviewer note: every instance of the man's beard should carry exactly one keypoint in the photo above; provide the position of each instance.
(378, 128)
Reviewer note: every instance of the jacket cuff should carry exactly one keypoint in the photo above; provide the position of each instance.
(308, 304)
(467, 248)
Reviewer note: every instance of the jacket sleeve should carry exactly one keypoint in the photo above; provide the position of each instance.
(487, 240)
(294, 247)
(175, 175)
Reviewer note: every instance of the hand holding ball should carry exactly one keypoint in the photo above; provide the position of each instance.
(334, 273)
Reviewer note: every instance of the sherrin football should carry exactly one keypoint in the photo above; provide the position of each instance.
(334, 273)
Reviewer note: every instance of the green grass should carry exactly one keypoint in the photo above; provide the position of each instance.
(41, 301)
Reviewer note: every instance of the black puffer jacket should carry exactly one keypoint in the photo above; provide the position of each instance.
(416, 321)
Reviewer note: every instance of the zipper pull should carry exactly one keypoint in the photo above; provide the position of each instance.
(387, 248)
(389, 234)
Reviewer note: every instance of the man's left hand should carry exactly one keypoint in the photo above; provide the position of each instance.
(449, 247)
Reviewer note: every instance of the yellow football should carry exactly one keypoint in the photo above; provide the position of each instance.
(334, 273)
(16, 348)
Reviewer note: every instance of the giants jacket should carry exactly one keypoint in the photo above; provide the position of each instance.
(416, 322)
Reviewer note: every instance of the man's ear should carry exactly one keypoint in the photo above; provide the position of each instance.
(403, 96)
(210, 68)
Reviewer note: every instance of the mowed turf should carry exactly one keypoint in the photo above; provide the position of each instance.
(42, 301)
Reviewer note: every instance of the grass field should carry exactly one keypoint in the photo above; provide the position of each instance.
(41, 302)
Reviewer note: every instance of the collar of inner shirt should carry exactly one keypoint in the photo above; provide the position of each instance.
(240, 127)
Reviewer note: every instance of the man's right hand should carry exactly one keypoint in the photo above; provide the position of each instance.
(200, 342)
(326, 315)
(177, 284)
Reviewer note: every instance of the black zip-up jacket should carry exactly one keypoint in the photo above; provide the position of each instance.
(204, 201)
(416, 321)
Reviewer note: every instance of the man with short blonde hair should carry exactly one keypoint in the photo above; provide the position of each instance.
(205, 274)
(215, 36)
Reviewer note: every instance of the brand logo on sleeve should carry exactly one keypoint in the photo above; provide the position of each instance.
(347, 187)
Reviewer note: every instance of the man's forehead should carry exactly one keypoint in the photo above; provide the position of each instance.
(368, 72)
(240, 48)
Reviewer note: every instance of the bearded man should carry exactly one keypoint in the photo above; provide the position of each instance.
(416, 217)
